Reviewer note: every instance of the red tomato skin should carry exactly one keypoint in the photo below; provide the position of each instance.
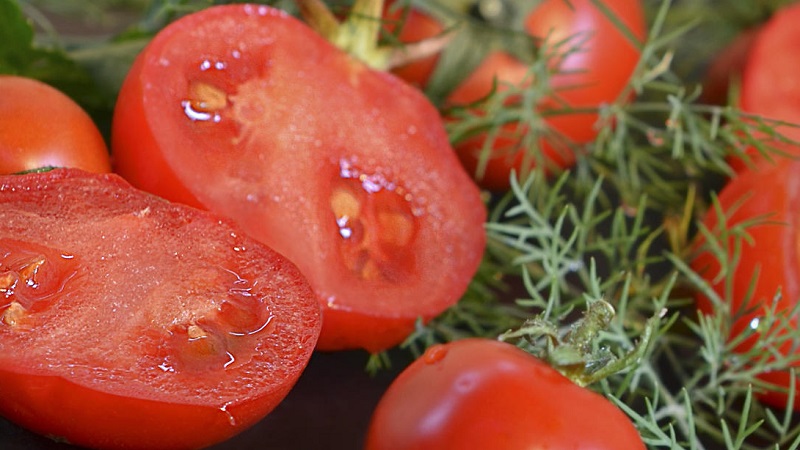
(769, 79)
(601, 69)
(767, 190)
(69, 396)
(727, 66)
(41, 127)
(479, 393)
(95, 419)
(142, 167)
(340, 113)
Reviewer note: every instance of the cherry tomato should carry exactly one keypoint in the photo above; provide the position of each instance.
(594, 62)
(768, 260)
(127, 321)
(41, 127)
(480, 393)
(247, 112)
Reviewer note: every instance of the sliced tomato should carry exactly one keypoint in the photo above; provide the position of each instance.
(130, 322)
(485, 394)
(768, 261)
(592, 55)
(247, 112)
(41, 127)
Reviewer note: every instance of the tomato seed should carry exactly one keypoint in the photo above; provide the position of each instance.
(14, 314)
(207, 98)
(30, 269)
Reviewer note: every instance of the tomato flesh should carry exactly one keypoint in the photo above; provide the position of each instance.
(345, 170)
(769, 260)
(42, 127)
(479, 393)
(593, 61)
(130, 322)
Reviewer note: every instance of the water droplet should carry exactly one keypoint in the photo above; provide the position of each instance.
(231, 419)
(201, 116)
(434, 354)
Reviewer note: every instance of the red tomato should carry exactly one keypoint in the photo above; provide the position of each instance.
(771, 259)
(594, 64)
(769, 80)
(479, 393)
(127, 321)
(765, 60)
(727, 67)
(42, 127)
(245, 111)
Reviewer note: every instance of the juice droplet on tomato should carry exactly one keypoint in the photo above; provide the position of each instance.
(377, 227)
(434, 354)
(198, 347)
(215, 339)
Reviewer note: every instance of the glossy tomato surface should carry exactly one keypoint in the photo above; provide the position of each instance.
(130, 322)
(42, 127)
(480, 393)
(245, 111)
(592, 60)
(768, 197)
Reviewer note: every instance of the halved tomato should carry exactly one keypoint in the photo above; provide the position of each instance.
(247, 112)
(130, 322)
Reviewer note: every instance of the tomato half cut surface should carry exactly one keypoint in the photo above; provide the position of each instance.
(127, 321)
(247, 112)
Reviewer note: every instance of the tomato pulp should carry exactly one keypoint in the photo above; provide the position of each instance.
(479, 393)
(130, 322)
(247, 112)
(41, 127)
(768, 260)
(593, 59)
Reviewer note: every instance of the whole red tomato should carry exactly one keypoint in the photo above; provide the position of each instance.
(42, 127)
(767, 261)
(480, 393)
(127, 321)
(247, 112)
(593, 60)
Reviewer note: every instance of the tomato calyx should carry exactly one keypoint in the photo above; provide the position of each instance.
(358, 34)
(577, 352)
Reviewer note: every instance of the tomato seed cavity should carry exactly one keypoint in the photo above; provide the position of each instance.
(205, 102)
(376, 224)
